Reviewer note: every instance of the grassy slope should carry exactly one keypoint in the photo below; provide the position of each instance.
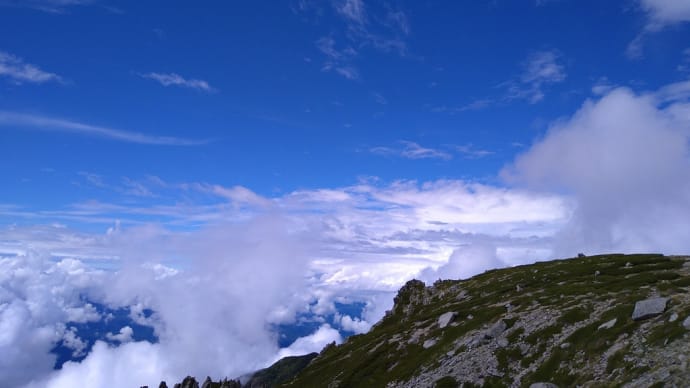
(569, 287)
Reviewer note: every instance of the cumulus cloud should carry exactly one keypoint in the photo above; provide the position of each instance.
(205, 323)
(354, 325)
(124, 336)
(625, 158)
(174, 79)
(312, 343)
(17, 71)
(465, 262)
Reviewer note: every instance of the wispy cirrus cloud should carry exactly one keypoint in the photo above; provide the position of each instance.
(337, 60)
(468, 151)
(17, 71)
(383, 30)
(541, 69)
(42, 123)
(52, 6)
(411, 150)
(174, 79)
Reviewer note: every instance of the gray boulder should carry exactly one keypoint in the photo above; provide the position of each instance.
(648, 308)
(446, 318)
(686, 323)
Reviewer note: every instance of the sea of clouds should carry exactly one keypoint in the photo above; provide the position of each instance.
(614, 176)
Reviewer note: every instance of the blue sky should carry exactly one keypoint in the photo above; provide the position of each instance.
(291, 164)
(304, 94)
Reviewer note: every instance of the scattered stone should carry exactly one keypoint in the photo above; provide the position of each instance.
(543, 385)
(596, 273)
(470, 316)
(497, 329)
(502, 342)
(446, 318)
(608, 325)
(565, 345)
(628, 265)
(686, 323)
(508, 307)
(648, 308)
(673, 317)
(524, 349)
(429, 343)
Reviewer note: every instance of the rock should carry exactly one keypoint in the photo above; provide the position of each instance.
(497, 329)
(207, 383)
(188, 382)
(673, 317)
(502, 342)
(524, 349)
(648, 308)
(470, 316)
(543, 385)
(518, 288)
(446, 318)
(565, 345)
(686, 323)
(608, 325)
(429, 343)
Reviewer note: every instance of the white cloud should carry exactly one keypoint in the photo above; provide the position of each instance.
(42, 123)
(124, 336)
(666, 12)
(412, 150)
(173, 79)
(660, 14)
(356, 325)
(19, 72)
(625, 159)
